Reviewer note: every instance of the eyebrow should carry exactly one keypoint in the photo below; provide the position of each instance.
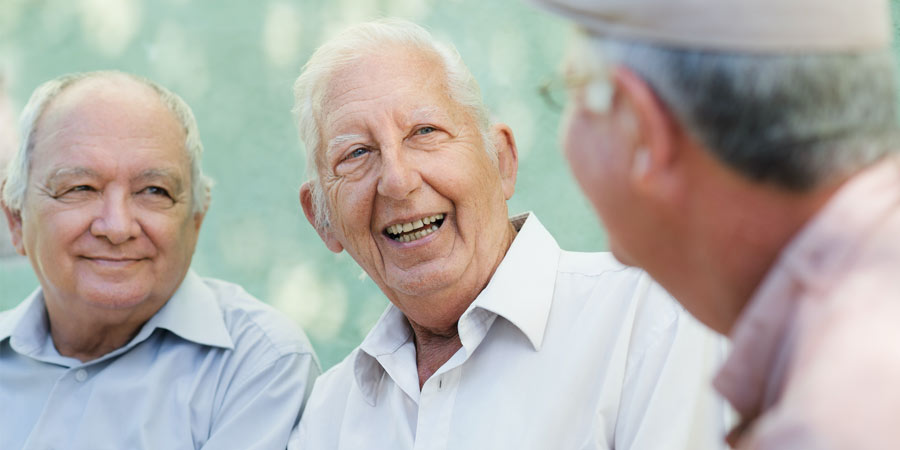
(169, 175)
(70, 172)
(338, 140)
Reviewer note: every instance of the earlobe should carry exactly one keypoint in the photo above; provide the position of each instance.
(14, 221)
(507, 158)
(309, 210)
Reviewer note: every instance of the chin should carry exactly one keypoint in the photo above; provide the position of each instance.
(115, 297)
(621, 255)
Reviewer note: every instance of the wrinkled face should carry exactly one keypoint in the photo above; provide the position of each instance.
(414, 197)
(599, 161)
(107, 220)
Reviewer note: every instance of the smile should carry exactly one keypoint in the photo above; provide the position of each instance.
(415, 230)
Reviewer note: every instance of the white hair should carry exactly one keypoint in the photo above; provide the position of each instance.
(795, 120)
(360, 41)
(19, 167)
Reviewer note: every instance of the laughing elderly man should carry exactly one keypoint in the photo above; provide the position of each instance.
(754, 144)
(122, 347)
(495, 338)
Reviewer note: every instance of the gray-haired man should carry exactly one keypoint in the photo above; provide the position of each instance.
(122, 346)
(743, 153)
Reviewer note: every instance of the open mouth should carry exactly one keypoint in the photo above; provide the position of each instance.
(415, 230)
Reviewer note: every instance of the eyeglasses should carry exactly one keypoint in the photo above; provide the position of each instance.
(557, 91)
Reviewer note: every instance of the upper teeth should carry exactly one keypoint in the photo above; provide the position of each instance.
(409, 226)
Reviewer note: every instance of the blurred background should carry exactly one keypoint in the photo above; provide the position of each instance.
(235, 63)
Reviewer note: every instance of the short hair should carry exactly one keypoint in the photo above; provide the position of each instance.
(359, 41)
(797, 121)
(19, 167)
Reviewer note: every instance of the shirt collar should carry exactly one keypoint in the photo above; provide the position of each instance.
(520, 291)
(26, 324)
(192, 313)
(812, 260)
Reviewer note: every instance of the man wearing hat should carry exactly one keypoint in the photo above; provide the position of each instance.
(744, 154)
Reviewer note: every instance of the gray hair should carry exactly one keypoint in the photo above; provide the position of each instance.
(357, 42)
(18, 170)
(795, 120)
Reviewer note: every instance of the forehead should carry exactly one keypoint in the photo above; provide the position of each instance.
(108, 118)
(395, 80)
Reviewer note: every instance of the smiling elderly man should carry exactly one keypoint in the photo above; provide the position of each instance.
(495, 338)
(122, 346)
(751, 167)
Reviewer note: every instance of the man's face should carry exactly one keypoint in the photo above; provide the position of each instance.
(107, 220)
(399, 153)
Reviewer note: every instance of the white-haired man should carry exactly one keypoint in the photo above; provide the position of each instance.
(743, 153)
(122, 346)
(495, 338)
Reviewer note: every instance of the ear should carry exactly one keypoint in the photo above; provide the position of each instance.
(507, 157)
(14, 221)
(309, 210)
(650, 134)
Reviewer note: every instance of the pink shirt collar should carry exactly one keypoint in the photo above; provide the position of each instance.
(752, 377)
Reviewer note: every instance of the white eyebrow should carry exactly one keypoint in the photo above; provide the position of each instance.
(338, 140)
(424, 112)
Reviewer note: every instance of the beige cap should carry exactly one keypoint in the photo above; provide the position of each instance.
(755, 26)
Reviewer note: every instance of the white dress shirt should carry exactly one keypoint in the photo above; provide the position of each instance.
(213, 369)
(561, 350)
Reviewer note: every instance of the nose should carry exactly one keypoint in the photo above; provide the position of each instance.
(399, 177)
(117, 221)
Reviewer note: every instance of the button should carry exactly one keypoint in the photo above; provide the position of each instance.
(81, 375)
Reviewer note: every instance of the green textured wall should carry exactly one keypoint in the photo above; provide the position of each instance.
(235, 62)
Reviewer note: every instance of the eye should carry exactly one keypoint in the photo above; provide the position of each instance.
(155, 190)
(81, 188)
(426, 130)
(360, 151)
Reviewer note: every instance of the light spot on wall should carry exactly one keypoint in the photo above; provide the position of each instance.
(281, 35)
(320, 307)
(178, 61)
(520, 117)
(110, 25)
(413, 10)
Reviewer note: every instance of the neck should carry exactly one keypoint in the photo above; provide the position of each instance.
(735, 230)
(89, 334)
(433, 349)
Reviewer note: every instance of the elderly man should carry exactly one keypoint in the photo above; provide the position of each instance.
(495, 338)
(743, 153)
(122, 346)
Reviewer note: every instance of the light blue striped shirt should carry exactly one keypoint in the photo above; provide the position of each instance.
(213, 369)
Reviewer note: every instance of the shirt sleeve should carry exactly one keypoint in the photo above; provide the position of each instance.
(667, 398)
(260, 411)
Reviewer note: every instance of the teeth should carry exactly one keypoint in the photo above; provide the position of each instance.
(414, 225)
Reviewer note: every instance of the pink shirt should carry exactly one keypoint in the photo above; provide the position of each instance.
(816, 358)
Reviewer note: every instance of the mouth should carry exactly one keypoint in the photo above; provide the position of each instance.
(415, 230)
(112, 261)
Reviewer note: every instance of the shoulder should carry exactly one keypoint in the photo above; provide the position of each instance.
(600, 285)
(328, 400)
(256, 326)
(334, 386)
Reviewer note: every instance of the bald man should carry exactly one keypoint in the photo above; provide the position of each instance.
(122, 346)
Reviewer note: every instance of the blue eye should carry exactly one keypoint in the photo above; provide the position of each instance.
(357, 153)
(156, 190)
(425, 130)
